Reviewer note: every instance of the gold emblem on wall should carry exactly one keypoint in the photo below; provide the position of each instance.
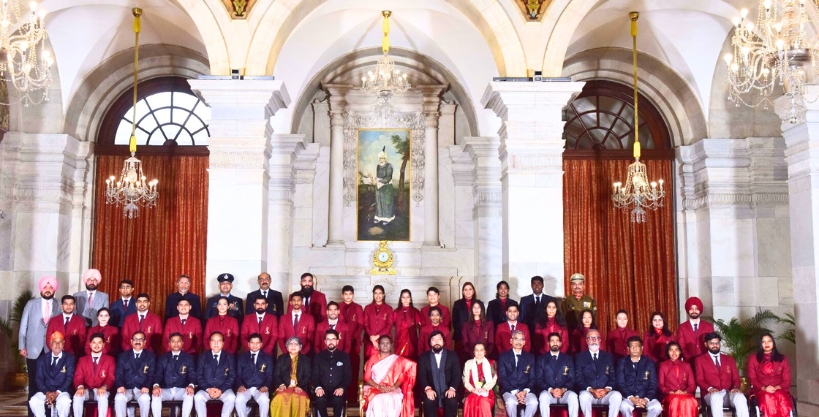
(238, 9)
(534, 9)
(382, 260)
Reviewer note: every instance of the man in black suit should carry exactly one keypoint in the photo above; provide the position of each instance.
(533, 305)
(183, 286)
(555, 377)
(235, 306)
(216, 373)
(275, 303)
(331, 376)
(175, 377)
(254, 376)
(55, 373)
(516, 376)
(596, 377)
(439, 373)
(637, 381)
(134, 377)
(124, 305)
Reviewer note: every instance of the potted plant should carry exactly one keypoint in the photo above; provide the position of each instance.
(740, 338)
(790, 332)
(17, 380)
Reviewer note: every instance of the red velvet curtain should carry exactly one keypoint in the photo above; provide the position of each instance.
(162, 243)
(627, 265)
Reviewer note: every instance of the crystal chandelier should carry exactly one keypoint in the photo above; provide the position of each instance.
(637, 191)
(777, 47)
(132, 190)
(24, 61)
(386, 80)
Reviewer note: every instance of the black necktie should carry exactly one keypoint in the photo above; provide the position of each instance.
(260, 320)
(253, 358)
(695, 327)
(141, 317)
(95, 365)
(554, 357)
(513, 328)
(136, 356)
(125, 303)
(594, 357)
(183, 321)
(54, 360)
(295, 321)
(66, 321)
(716, 359)
(216, 358)
(176, 357)
(264, 294)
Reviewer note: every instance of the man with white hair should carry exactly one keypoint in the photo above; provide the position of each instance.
(91, 300)
(596, 377)
(384, 195)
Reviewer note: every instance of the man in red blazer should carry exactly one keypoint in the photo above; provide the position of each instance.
(263, 323)
(71, 325)
(336, 323)
(144, 321)
(185, 324)
(353, 314)
(313, 302)
(718, 378)
(503, 332)
(297, 322)
(94, 377)
(691, 333)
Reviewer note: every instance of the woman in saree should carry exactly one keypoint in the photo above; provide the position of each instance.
(676, 384)
(407, 321)
(388, 383)
(770, 375)
(480, 378)
(291, 377)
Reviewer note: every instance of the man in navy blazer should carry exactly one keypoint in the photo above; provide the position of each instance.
(275, 303)
(55, 373)
(533, 305)
(134, 377)
(254, 376)
(516, 375)
(637, 381)
(175, 377)
(216, 373)
(124, 305)
(555, 377)
(595, 377)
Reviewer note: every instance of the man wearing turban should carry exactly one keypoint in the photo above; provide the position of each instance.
(91, 300)
(691, 333)
(33, 324)
(55, 374)
(384, 193)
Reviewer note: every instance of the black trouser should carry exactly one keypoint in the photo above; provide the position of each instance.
(32, 381)
(431, 406)
(337, 402)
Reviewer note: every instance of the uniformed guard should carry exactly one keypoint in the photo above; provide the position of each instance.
(574, 304)
(235, 304)
(331, 376)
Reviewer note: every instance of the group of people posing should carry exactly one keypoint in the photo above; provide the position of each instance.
(533, 353)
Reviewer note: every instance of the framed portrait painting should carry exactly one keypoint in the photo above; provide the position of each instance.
(383, 164)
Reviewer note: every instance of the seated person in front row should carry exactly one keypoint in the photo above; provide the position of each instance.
(718, 379)
(216, 372)
(516, 374)
(555, 377)
(503, 332)
(94, 378)
(480, 377)
(331, 373)
(637, 381)
(291, 376)
(389, 380)
(439, 376)
(254, 373)
(175, 377)
(676, 384)
(54, 374)
(596, 377)
(770, 375)
(135, 376)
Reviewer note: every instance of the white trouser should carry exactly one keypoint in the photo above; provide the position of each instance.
(62, 404)
(172, 394)
(653, 408)
(586, 400)
(121, 401)
(511, 401)
(569, 398)
(201, 398)
(717, 400)
(91, 394)
(261, 398)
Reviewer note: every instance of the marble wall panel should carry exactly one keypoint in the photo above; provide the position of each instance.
(732, 246)
(773, 246)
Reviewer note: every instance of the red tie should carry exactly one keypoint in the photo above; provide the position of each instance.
(295, 321)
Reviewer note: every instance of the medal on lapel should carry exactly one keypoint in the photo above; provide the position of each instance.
(263, 366)
(184, 370)
(228, 333)
(190, 335)
(63, 371)
(646, 378)
(227, 370)
(103, 373)
(303, 330)
(486, 335)
(267, 330)
(149, 329)
(108, 340)
(565, 370)
(526, 371)
(145, 370)
(75, 332)
(607, 370)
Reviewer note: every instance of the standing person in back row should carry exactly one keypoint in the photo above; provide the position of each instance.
(33, 325)
(90, 300)
(235, 306)
(353, 315)
(496, 309)
(574, 304)
(183, 286)
(434, 298)
(275, 303)
(314, 302)
(691, 333)
(533, 305)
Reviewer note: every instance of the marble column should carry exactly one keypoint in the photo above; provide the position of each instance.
(432, 99)
(338, 103)
(446, 125)
(240, 150)
(531, 149)
(802, 156)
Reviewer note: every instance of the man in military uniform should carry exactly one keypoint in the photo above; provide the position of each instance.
(235, 304)
(331, 376)
(574, 304)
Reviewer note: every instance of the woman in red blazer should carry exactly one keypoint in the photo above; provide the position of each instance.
(616, 343)
(657, 338)
(770, 375)
(407, 321)
(676, 384)
(551, 322)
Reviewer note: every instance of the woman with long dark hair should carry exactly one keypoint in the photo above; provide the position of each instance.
(677, 384)
(617, 341)
(587, 322)
(477, 330)
(658, 337)
(377, 321)
(407, 320)
(462, 312)
(770, 374)
(551, 321)
(496, 309)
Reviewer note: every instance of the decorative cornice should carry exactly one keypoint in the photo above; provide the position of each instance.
(487, 198)
(238, 160)
(736, 199)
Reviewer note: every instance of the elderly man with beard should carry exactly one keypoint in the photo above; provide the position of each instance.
(313, 302)
(718, 378)
(439, 375)
(596, 377)
(691, 333)
(33, 325)
(384, 193)
(91, 300)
